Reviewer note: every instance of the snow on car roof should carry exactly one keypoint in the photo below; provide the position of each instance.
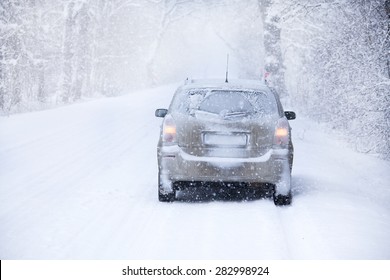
(220, 83)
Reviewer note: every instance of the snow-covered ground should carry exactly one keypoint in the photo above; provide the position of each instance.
(80, 182)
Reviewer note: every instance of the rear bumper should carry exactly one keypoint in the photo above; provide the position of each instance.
(176, 165)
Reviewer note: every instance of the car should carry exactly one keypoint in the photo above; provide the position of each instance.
(225, 132)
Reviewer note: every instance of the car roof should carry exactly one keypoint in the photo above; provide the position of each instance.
(233, 84)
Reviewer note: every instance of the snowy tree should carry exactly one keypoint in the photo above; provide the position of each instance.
(170, 11)
(274, 65)
(336, 67)
(239, 25)
(76, 50)
(10, 54)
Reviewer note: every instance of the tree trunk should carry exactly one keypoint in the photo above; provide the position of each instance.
(68, 54)
(82, 52)
(387, 43)
(273, 62)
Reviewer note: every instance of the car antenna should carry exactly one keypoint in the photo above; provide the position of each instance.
(227, 68)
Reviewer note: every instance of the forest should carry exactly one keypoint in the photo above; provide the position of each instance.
(328, 59)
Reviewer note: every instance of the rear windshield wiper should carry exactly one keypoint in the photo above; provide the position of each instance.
(235, 114)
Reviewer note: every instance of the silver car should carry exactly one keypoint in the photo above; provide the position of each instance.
(223, 133)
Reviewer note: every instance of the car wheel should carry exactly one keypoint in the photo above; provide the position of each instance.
(165, 196)
(282, 200)
(169, 197)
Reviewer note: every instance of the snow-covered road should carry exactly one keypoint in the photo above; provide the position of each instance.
(79, 182)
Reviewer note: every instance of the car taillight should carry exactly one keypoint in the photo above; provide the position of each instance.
(282, 135)
(169, 130)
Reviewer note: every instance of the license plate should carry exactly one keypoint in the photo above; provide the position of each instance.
(225, 140)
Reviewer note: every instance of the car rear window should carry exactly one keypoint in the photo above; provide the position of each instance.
(224, 103)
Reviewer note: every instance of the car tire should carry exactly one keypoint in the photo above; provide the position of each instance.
(282, 200)
(165, 197)
(169, 197)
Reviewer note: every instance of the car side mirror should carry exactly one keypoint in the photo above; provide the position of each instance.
(290, 115)
(161, 113)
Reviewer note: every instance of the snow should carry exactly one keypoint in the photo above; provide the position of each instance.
(80, 182)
